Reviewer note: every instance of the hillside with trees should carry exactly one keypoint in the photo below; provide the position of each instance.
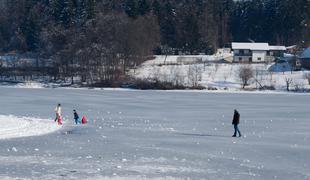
(99, 40)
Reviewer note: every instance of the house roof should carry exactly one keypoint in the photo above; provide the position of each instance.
(306, 40)
(250, 46)
(291, 47)
(306, 54)
(257, 46)
(277, 48)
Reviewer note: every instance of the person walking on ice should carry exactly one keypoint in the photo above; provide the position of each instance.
(235, 122)
(58, 114)
(76, 117)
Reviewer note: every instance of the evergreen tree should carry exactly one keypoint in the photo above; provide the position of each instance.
(62, 11)
(143, 7)
(188, 35)
(90, 9)
(188, 25)
(131, 8)
(271, 13)
(156, 9)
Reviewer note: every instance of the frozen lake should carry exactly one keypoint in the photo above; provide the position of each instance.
(158, 135)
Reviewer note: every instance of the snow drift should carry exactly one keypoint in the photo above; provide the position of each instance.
(14, 127)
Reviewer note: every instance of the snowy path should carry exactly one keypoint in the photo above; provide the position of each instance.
(14, 127)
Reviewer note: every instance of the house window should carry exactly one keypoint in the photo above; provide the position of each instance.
(259, 58)
(250, 59)
(240, 58)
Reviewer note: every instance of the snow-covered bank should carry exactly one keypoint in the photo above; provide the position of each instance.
(222, 76)
(204, 71)
(14, 127)
(221, 91)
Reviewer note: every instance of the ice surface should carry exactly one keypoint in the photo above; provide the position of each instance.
(157, 135)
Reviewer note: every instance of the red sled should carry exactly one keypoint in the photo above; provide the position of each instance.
(84, 121)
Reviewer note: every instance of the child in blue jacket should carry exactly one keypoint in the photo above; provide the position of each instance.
(76, 117)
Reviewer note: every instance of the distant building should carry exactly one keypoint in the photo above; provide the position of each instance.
(256, 52)
(305, 58)
(292, 49)
(223, 51)
(224, 55)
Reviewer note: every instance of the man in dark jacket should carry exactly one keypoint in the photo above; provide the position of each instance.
(235, 122)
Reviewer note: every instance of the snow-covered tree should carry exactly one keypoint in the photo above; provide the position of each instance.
(245, 74)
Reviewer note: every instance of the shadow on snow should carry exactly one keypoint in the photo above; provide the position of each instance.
(201, 135)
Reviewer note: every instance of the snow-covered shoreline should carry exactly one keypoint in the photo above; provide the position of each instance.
(234, 91)
(224, 76)
(214, 76)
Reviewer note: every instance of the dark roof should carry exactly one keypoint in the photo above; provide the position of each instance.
(306, 54)
(307, 40)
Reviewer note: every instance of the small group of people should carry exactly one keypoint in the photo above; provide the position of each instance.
(77, 120)
(76, 117)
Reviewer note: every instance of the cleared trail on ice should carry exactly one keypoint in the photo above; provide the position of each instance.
(14, 127)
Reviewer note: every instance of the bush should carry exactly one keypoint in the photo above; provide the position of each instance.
(212, 88)
(307, 76)
(245, 74)
(199, 87)
(267, 88)
(148, 84)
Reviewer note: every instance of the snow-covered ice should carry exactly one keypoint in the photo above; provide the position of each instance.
(156, 135)
(13, 127)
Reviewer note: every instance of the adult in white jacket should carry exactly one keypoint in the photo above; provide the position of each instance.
(58, 112)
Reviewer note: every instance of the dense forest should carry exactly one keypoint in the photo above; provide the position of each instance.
(98, 40)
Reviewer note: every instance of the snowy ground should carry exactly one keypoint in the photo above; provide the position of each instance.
(14, 127)
(157, 135)
(208, 72)
(222, 75)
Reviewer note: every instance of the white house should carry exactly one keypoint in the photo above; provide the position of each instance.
(256, 52)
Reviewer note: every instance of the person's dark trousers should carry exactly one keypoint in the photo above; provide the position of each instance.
(236, 130)
(56, 118)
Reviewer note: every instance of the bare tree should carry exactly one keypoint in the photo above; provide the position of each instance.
(217, 65)
(177, 76)
(307, 76)
(258, 78)
(245, 74)
(225, 77)
(194, 75)
(299, 87)
(288, 82)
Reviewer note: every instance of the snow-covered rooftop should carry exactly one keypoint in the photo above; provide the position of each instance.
(251, 46)
(277, 48)
(257, 46)
(306, 53)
